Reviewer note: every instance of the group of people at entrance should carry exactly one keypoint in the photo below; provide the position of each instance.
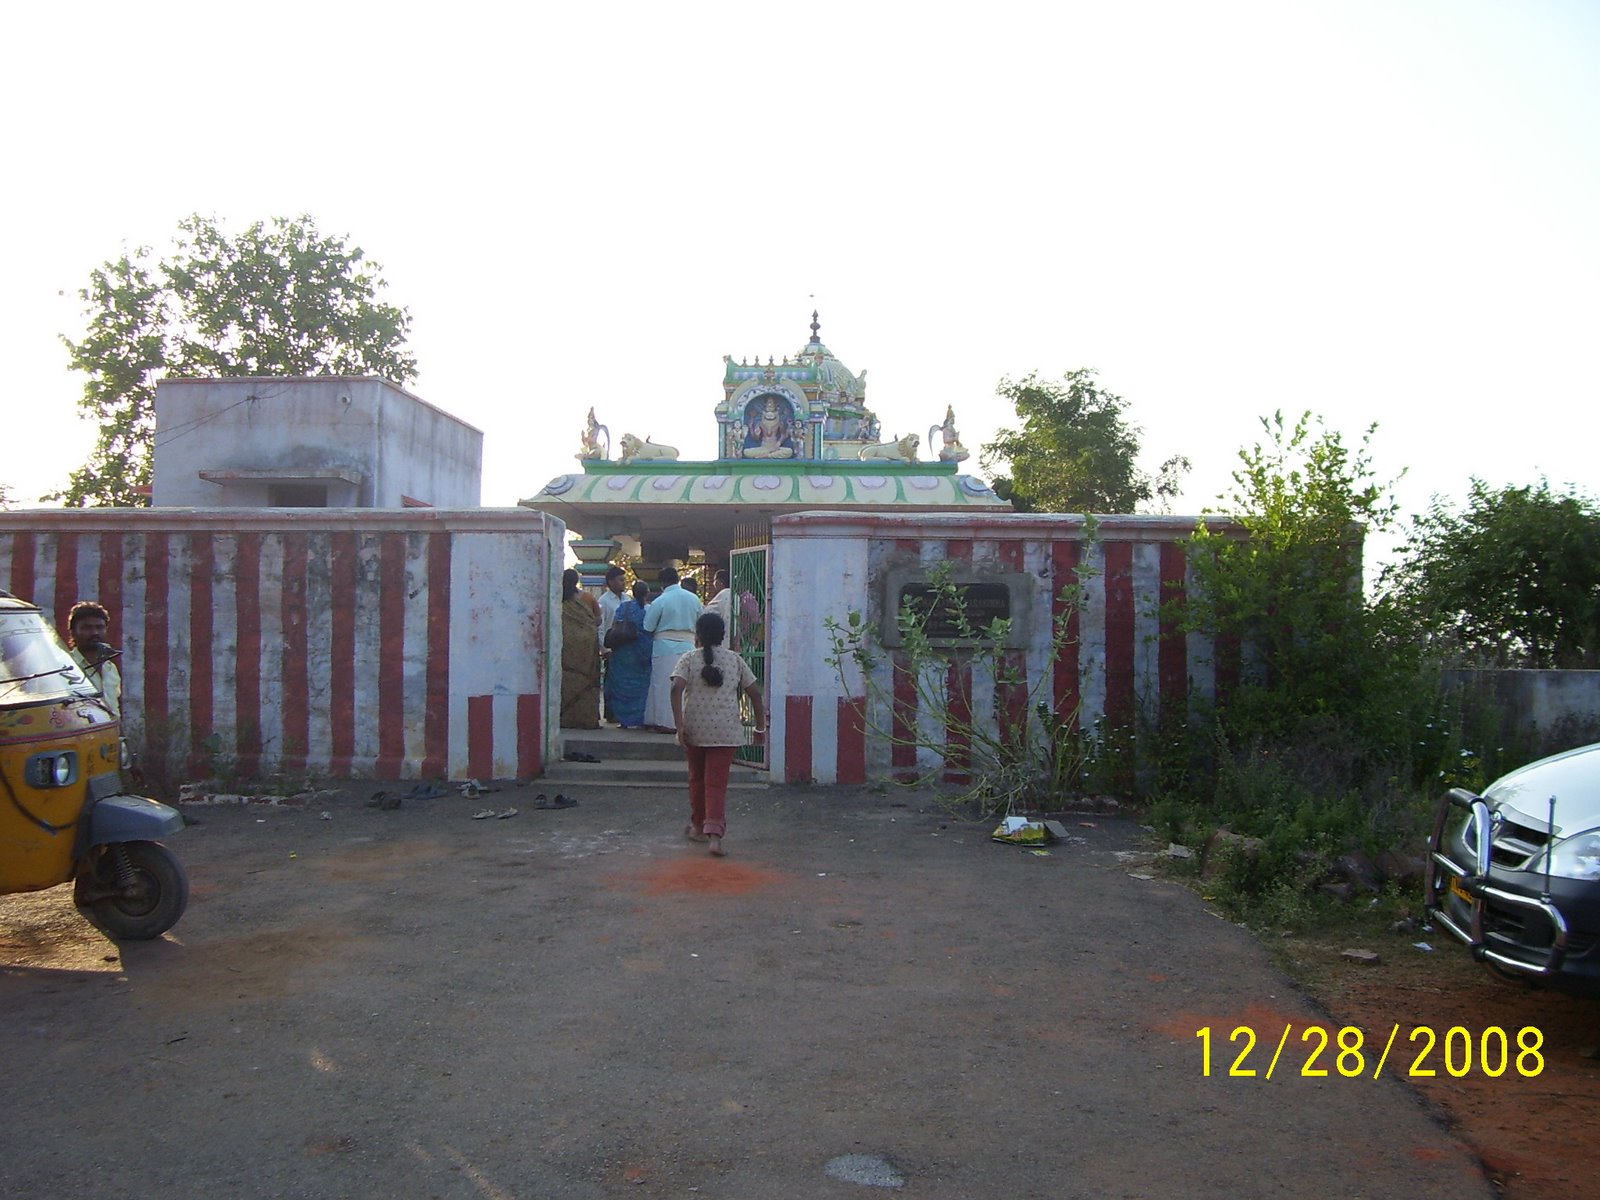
(666, 668)
(638, 639)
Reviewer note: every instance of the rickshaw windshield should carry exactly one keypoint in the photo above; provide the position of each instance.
(34, 665)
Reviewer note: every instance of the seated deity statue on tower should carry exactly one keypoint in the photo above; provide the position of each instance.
(768, 435)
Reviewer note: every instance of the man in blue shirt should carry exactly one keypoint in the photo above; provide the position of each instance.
(670, 617)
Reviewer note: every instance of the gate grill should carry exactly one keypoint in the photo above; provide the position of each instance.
(748, 636)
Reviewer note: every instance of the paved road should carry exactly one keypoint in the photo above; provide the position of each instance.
(581, 1004)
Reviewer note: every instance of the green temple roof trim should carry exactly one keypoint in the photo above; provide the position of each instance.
(767, 466)
(790, 485)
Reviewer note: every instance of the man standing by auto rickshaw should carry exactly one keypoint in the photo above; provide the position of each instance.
(87, 626)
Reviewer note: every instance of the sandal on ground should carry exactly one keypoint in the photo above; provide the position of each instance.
(716, 846)
(559, 802)
(695, 835)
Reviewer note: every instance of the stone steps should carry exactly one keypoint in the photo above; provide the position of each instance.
(632, 758)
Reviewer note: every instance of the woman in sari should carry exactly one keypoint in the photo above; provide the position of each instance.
(580, 655)
(628, 667)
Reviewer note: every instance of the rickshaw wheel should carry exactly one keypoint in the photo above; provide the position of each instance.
(147, 905)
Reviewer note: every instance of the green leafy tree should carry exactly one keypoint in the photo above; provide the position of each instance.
(1289, 591)
(1074, 452)
(278, 299)
(1513, 579)
(1314, 750)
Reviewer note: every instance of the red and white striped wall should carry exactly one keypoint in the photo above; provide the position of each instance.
(1124, 663)
(393, 644)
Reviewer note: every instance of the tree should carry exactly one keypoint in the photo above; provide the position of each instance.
(1512, 580)
(1288, 591)
(1075, 452)
(279, 299)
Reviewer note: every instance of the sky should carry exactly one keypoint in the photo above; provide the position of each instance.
(1382, 211)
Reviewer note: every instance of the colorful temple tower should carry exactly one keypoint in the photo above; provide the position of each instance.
(792, 436)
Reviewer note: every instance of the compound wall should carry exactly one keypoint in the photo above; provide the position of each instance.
(414, 643)
(1123, 662)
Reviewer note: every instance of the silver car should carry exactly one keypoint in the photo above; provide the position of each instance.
(1515, 873)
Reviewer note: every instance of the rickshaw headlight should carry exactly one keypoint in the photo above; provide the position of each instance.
(124, 755)
(58, 769)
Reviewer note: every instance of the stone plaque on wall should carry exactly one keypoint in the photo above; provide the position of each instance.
(963, 614)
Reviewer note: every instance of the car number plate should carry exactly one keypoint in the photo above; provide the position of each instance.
(1455, 886)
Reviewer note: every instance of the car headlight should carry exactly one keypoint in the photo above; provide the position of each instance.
(1575, 857)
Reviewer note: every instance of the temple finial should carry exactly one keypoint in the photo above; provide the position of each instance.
(815, 340)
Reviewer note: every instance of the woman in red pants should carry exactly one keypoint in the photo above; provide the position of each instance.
(706, 683)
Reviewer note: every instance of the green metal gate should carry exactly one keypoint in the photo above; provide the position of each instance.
(749, 569)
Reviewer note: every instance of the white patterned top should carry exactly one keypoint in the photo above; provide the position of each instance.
(711, 714)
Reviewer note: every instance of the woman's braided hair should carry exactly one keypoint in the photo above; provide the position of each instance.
(709, 630)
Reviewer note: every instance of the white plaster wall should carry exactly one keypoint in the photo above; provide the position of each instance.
(399, 444)
(426, 454)
(503, 591)
(816, 578)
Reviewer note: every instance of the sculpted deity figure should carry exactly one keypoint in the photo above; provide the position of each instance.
(951, 449)
(590, 439)
(768, 435)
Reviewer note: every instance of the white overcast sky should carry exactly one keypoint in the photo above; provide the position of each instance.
(1381, 210)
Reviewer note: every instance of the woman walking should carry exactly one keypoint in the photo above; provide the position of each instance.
(706, 685)
(628, 667)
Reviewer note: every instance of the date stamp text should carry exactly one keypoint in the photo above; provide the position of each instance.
(1321, 1053)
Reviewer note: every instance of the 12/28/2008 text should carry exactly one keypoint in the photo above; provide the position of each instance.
(1345, 1053)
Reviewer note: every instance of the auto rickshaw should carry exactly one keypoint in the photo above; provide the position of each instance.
(63, 813)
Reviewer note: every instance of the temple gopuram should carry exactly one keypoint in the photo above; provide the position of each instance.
(792, 436)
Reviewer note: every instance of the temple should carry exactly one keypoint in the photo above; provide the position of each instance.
(792, 436)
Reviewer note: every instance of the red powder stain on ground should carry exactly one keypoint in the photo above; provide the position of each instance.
(1265, 1022)
(705, 877)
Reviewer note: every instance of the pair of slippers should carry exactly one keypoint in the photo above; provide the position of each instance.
(559, 802)
(579, 756)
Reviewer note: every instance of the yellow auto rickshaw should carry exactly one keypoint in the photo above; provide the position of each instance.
(63, 813)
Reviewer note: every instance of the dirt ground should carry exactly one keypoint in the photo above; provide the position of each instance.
(583, 1004)
(1533, 1135)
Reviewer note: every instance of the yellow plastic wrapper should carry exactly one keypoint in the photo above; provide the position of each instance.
(1017, 831)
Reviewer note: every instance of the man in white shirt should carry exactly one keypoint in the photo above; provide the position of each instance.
(721, 602)
(87, 626)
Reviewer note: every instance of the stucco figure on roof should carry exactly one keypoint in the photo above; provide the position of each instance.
(951, 449)
(900, 450)
(590, 439)
(634, 450)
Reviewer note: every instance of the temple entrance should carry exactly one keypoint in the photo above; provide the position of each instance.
(749, 569)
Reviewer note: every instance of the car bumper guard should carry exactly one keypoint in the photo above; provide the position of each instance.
(1442, 870)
